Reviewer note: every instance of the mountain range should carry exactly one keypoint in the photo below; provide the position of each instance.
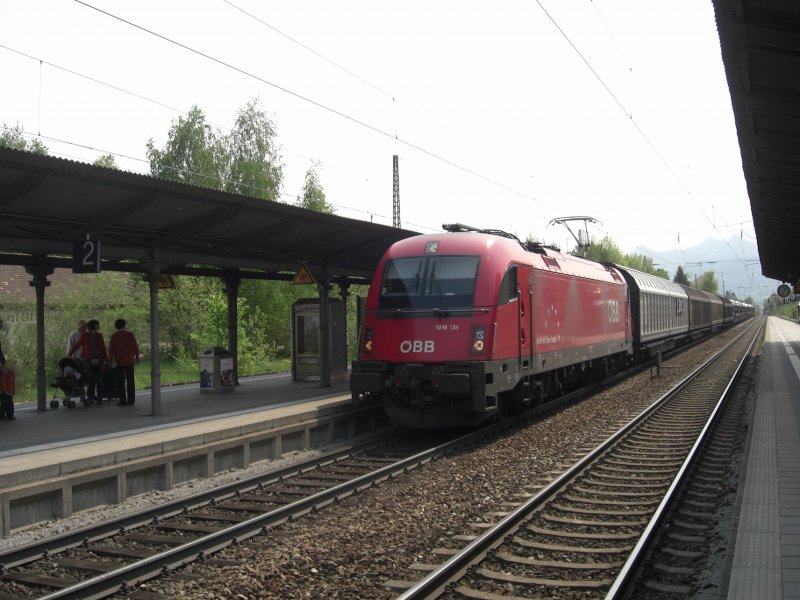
(734, 261)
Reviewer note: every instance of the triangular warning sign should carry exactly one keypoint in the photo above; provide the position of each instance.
(166, 282)
(303, 276)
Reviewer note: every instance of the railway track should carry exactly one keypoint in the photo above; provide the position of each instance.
(114, 556)
(588, 532)
(678, 562)
(118, 555)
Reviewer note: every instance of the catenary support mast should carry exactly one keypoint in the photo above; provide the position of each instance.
(396, 193)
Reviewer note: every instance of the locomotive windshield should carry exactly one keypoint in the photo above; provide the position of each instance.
(429, 282)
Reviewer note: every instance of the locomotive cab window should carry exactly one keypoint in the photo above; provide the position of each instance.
(429, 282)
(508, 287)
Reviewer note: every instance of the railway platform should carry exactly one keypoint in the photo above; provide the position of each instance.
(766, 558)
(35, 430)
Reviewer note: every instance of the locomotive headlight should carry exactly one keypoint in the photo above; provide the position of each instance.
(478, 345)
(368, 335)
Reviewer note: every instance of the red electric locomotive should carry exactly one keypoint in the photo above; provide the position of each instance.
(464, 326)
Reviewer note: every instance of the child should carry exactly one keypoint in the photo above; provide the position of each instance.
(8, 387)
(72, 373)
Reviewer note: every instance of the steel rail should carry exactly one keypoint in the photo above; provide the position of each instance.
(435, 583)
(137, 572)
(53, 545)
(630, 569)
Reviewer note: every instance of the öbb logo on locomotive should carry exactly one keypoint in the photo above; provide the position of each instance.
(510, 324)
(417, 346)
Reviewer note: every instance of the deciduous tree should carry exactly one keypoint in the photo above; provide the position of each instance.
(708, 282)
(14, 137)
(107, 161)
(251, 164)
(244, 161)
(313, 196)
(606, 250)
(190, 154)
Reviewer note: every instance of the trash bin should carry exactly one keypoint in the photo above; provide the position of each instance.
(216, 371)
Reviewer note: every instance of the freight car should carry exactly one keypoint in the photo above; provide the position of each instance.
(740, 311)
(659, 311)
(705, 312)
(469, 325)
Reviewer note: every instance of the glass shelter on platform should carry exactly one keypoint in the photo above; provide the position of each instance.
(308, 335)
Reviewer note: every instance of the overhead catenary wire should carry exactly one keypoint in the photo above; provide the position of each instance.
(338, 113)
(641, 132)
(611, 34)
(180, 112)
(387, 94)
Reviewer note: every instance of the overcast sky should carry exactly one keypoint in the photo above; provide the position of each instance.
(504, 114)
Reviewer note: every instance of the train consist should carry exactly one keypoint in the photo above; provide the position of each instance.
(470, 325)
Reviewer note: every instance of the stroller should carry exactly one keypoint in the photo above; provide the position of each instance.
(75, 373)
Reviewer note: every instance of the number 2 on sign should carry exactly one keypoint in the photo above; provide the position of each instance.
(89, 253)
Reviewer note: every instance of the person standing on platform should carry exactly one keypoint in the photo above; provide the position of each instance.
(123, 352)
(8, 385)
(92, 348)
(80, 327)
(2, 356)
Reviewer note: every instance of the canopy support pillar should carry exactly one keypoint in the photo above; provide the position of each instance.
(39, 282)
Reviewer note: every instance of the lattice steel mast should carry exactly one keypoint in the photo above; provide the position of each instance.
(396, 193)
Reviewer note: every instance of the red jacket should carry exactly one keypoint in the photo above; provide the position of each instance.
(8, 381)
(122, 348)
(85, 344)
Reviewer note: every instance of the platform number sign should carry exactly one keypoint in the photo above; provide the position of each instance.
(86, 256)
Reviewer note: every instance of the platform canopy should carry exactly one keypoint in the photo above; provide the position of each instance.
(760, 41)
(48, 204)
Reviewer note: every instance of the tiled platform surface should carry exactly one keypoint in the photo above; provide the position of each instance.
(766, 561)
(34, 430)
